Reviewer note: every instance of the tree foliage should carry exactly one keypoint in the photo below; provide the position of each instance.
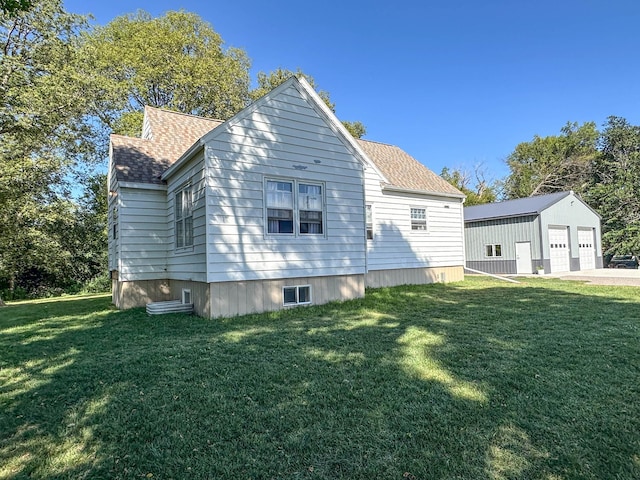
(602, 167)
(475, 186)
(41, 133)
(615, 189)
(176, 61)
(13, 7)
(554, 163)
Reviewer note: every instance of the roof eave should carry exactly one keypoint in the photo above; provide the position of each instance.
(393, 188)
(502, 217)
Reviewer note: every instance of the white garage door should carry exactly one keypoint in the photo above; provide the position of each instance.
(587, 250)
(559, 249)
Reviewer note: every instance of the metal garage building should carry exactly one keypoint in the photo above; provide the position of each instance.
(558, 232)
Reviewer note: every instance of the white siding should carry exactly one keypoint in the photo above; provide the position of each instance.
(283, 138)
(190, 263)
(395, 245)
(142, 234)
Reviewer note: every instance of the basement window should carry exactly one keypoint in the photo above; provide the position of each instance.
(298, 295)
(186, 295)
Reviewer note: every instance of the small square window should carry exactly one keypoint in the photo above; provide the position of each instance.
(304, 294)
(186, 295)
(493, 250)
(290, 297)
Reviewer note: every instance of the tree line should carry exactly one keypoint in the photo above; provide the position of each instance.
(66, 85)
(603, 167)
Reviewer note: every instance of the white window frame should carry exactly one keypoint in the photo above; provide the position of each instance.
(296, 206)
(186, 295)
(369, 221)
(418, 222)
(493, 250)
(297, 295)
(183, 219)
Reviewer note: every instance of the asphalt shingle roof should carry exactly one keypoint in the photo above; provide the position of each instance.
(170, 134)
(143, 160)
(512, 208)
(404, 171)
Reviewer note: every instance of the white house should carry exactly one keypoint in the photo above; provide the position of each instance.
(275, 207)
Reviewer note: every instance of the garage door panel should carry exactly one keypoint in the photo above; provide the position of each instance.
(559, 249)
(587, 249)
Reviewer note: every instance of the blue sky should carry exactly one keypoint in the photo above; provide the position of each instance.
(455, 83)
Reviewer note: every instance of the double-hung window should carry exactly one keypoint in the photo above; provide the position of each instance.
(184, 217)
(418, 219)
(294, 207)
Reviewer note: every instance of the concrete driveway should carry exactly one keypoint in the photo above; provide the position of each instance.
(603, 276)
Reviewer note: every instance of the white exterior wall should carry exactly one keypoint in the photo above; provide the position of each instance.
(187, 263)
(573, 213)
(283, 138)
(395, 245)
(142, 218)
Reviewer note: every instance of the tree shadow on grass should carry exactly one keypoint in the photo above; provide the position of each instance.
(473, 380)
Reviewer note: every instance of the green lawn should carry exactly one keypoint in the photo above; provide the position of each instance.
(475, 380)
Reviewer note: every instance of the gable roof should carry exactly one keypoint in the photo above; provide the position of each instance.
(168, 136)
(513, 208)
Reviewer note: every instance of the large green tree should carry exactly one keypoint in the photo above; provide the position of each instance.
(176, 61)
(42, 132)
(269, 81)
(554, 163)
(615, 190)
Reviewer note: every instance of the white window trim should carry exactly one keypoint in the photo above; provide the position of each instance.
(186, 292)
(426, 220)
(296, 207)
(184, 248)
(297, 302)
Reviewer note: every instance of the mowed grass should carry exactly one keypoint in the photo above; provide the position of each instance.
(475, 380)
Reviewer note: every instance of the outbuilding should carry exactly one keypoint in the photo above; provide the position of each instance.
(550, 233)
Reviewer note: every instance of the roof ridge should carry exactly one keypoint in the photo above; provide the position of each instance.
(119, 135)
(166, 110)
(375, 141)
